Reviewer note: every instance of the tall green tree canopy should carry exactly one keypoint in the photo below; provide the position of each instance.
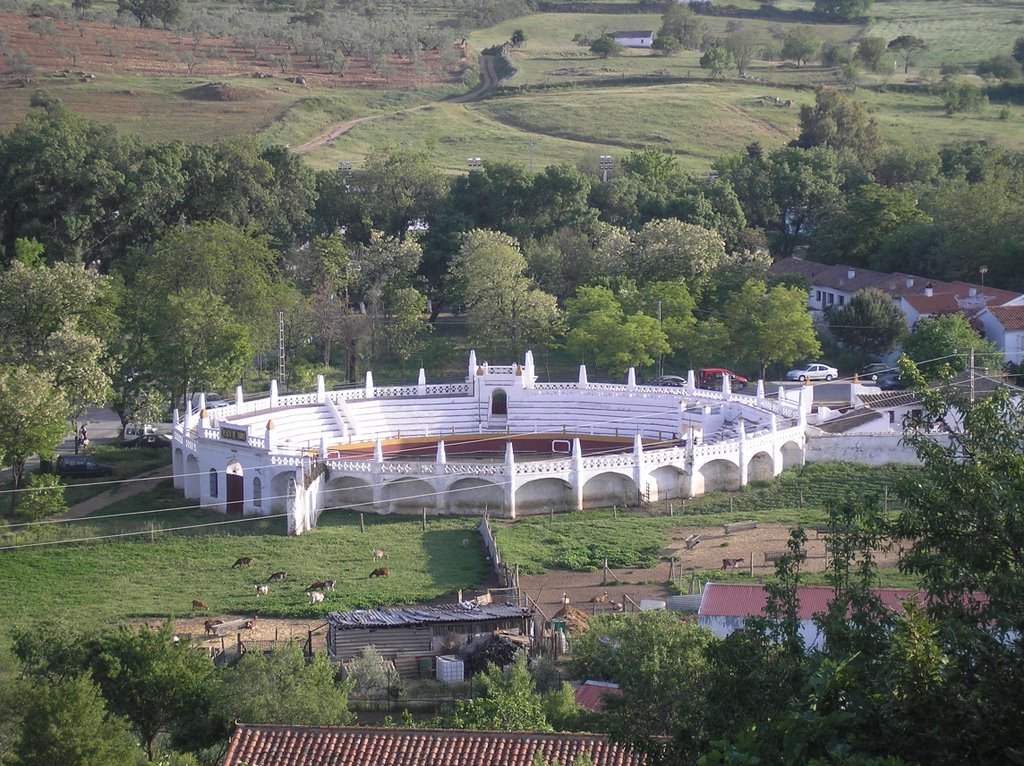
(33, 418)
(870, 322)
(840, 122)
(601, 332)
(945, 340)
(507, 701)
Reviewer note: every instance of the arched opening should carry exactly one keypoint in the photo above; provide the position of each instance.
(257, 493)
(792, 455)
(214, 483)
(543, 496)
(178, 459)
(666, 483)
(409, 496)
(347, 492)
(609, 489)
(191, 477)
(499, 403)
(761, 467)
(235, 486)
(281, 491)
(472, 496)
(720, 476)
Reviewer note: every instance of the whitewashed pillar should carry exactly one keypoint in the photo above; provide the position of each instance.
(321, 389)
(638, 466)
(239, 397)
(421, 383)
(577, 474)
(583, 382)
(369, 384)
(273, 393)
(271, 438)
(631, 378)
(510, 485)
(691, 383)
(743, 453)
(441, 460)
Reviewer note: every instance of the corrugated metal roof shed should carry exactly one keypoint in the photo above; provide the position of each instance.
(423, 615)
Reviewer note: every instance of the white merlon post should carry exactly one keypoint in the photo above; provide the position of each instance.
(510, 487)
(239, 396)
(202, 402)
(323, 448)
(631, 378)
(530, 373)
(775, 423)
(782, 394)
(583, 382)
(743, 453)
(442, 458)
(726, 386)
(638, 466)
(273, 393)
(691, 383)
(472, 366)
(806, 397)
(378, 451)
(175, 418)
(421, 383)
(760, 390)
(204, 421)
(321, 389)
(270, 439)
(188, 418)
(577, 474)
(369, 384)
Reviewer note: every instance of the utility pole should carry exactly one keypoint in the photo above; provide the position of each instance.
(280, 349)
(661, 357)
(970, 371)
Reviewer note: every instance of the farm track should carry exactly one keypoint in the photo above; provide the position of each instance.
(119, 492)
(490, 82)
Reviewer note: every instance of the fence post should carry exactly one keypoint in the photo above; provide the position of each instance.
(362, 524)
(885, 506)
(424, 518)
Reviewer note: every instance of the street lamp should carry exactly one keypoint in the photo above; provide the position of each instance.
(605, 163)
(475, 163)
(983, 271)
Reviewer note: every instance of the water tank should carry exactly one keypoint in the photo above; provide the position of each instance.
(426, 666)
(450, 669)
(651, 604)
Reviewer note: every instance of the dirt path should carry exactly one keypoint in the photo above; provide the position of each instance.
(490, 82)
(119, 491)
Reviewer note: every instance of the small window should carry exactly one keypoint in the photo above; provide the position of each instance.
(499, 403)
(831, 298)
(842, 299)
(817, 295)
(257, 493)
(213, 483)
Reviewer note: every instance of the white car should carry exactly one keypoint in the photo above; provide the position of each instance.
(813, 372)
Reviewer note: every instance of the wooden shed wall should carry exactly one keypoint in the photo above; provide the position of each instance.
(388, 641)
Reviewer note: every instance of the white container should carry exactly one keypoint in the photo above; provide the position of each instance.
(651, 604)
(450, 669)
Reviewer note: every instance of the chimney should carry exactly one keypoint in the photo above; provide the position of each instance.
(929, 290)
(910, 281)
(972, 292)
(851, 273)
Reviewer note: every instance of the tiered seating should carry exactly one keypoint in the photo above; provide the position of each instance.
(298, 427)
(413, 417)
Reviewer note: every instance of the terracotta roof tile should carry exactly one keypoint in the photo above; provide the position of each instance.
(591, 695)
(271, 745)
(1010, 317)
(730, 600)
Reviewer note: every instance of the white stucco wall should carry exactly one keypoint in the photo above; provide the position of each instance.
(870, 449)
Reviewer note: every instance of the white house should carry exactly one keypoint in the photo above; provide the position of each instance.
(637, 39)
(1004, 326)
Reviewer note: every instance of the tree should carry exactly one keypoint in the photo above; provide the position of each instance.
(282, 688)
(33, 418)
(908, 48)
(503, 307)
(801, 45)
(870, 51)
(769, 326)
(681, 23)
(147, 11)
(66, 721)
(600, 331)
(157, 684)
(843, 9)
(373, 678)
(716, 60)
(670, 250)
(945, 340)
(1002, 67)
(507, 701)
(869, 322)
(742, 43)
(666, 45)
(44, 497)
(1018, 50)
(840, 122)
(558, 197)
(518, 38)
(399, 185)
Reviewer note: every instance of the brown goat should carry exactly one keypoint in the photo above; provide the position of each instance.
(380, 572)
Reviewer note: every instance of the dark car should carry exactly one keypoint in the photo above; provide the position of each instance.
(872, 371)
(669, 380)
(147, 440)
(76, 466)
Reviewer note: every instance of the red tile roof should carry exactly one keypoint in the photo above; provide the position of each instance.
(728, 600)
(591, 695)
(1010, 317)
(270, 745)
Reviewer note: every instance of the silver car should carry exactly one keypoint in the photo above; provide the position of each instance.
(813, 371)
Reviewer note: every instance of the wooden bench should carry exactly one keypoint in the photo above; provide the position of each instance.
(739, 526)
(231, 626)
(691, 541)
(770, 557)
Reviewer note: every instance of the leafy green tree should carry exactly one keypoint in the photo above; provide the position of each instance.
(665, 44)
(44, 497)
(33, 418)
(843, 9)
(870, 322)
(769, 326)
(507, 701)
(870, 51)
(660, 664)
(945, 340)
(371, 678)
(157, 684)
(840, 122)
(399, 185)
(282, 688)
(601, 332)
(558, 197)
(1002, 67)
(504, 308)
(908, 48)
(801, 44)
(1018, 50)
(67, 722)
(742, 43)
(716, 60)
(670, 250)
(518, 38)
(683, 24)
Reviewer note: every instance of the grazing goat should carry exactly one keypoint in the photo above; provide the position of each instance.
(316, 597)
(249, 624)
(565, 599)
(379, 554)
(278, 576)
(196, 604)
(465, 542)
(210, 626)
(329, 584)
(600, 599)
(380, 572)
(262, 590)
(316, 586)
(731, 563)
(245, 561)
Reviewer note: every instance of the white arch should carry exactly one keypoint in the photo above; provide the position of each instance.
(408, 495)
(191, 478)
(607, 489)
(792, 455)
(472, 495)
(666, 483)
(761, 467)
(719, 476)
(543, 495)
(347, 492)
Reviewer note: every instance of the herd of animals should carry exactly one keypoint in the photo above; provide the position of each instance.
(315, 592)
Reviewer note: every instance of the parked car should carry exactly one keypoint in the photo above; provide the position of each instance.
(872, 371)
(712, 378)
(813, 371)
(147, 440)
(889, 381)
(669, 380)
(135, 430)
(76, 466)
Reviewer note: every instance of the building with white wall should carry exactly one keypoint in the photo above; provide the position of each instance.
(501, 443)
